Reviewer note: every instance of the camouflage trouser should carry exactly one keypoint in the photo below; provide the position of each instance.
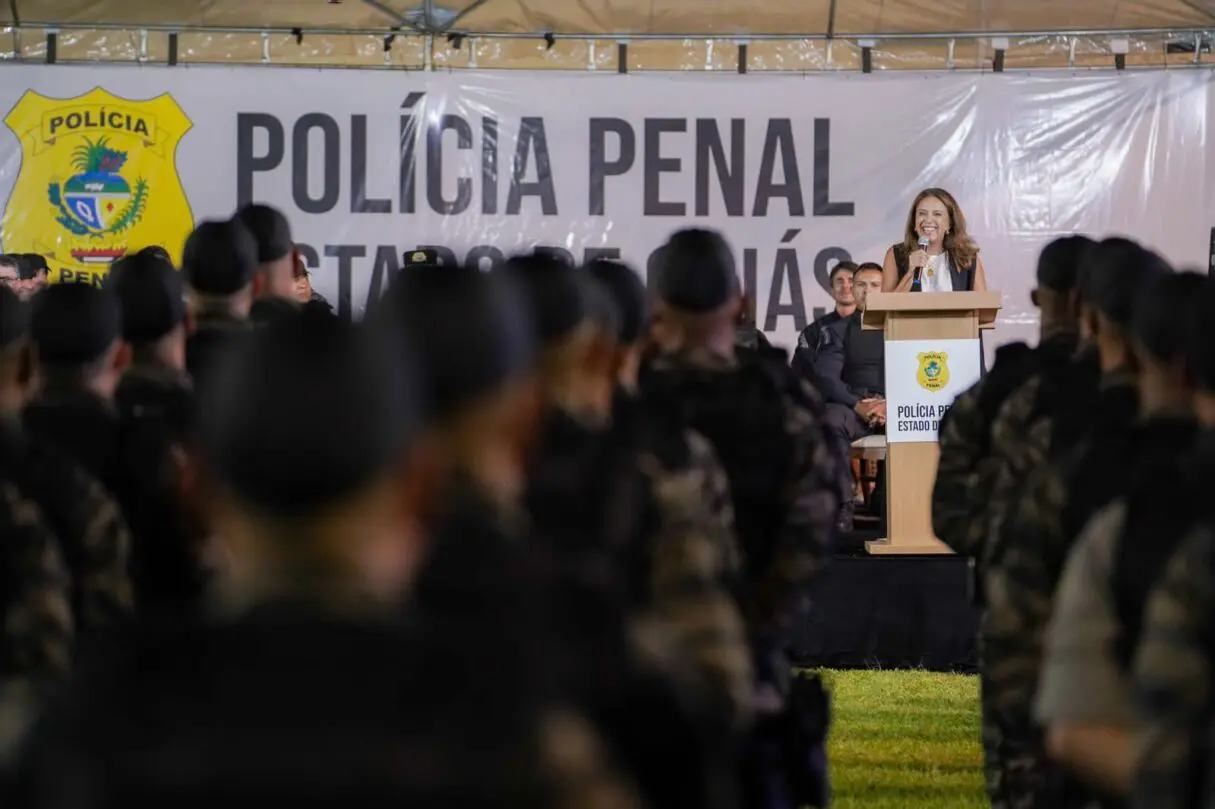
(1019, 774)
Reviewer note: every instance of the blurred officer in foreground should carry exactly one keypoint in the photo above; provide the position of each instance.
(1084, 698)
(36, 633)
(80, 354)
(1087, 463)
(304, 690)
(765, 425)
(219, 263)
(657, 643)
(473, 336)
(85, 518)
(967, 462)
(1174, 660)
(155, 325)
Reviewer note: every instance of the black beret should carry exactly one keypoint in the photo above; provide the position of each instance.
(29, 265)
(1164, 314)
(1059, 262)
(220, 258)
(472, 332)
(151, 293)
(73, 324)
(697, 272)
(629, 295)
(270, 230)
(423, 257)
(14, 317)
(1113, 273)
(307, 411)
(557, 300)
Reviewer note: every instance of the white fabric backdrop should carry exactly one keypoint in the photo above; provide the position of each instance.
(797, 171)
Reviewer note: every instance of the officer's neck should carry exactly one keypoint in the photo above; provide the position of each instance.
(845, 310)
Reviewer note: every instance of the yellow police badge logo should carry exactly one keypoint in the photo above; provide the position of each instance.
(98, 179)
(933, 373)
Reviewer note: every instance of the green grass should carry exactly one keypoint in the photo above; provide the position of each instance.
(905, 739)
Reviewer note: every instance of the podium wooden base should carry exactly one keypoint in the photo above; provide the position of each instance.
(922, 547)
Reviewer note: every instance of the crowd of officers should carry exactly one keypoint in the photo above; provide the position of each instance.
(1076, 476)
(526, 537)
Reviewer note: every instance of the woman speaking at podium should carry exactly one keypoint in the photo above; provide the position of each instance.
(936, 254)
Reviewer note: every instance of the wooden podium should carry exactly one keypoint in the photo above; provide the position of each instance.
(911, 465)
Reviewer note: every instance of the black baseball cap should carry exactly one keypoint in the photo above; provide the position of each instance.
(14, 317)
(74, 323)
(1164, 313)
(697, 272)
(220, 258)
(1059, 262)
(308, 410)
(556, 298)
(629, 295)
(151, 292)
(1113, 273)
(472, 332)
(422, 257)
(270, 229)
(29, 265)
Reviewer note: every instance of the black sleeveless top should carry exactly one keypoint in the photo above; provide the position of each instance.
(963, 279)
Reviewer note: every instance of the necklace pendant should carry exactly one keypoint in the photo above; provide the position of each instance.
(932, 273)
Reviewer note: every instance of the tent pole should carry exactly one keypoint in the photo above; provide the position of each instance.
(383, 9)
(465, 12)
(831, 21)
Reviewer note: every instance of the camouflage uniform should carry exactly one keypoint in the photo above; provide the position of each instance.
(693, 554)
(1173, 678)
(805, 540)
(1025, 557)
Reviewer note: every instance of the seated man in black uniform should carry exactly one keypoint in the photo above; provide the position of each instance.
(851, 373)
(810, 339)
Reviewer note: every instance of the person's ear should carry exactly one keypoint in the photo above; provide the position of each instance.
(259, 284)
(1033, 298)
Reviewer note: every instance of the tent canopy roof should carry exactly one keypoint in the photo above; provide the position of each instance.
(843, 18)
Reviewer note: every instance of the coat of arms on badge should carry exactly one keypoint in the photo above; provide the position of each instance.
(933, 373)
(98, 179)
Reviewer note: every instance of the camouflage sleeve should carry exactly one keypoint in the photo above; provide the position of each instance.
(105, 597)
(1019, 580)
(715, 490)
(38, 616)
(576, 770)
(1172, 679)
(805, 544)
(955, 510)
(689, 594)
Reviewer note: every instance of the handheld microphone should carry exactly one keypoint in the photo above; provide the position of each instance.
(923, 245)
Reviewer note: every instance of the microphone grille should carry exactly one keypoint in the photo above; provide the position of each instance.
(923, 242)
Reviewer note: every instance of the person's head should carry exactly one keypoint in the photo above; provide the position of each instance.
(76, 333)
(277, 257)
(841, 284)
(577, 354)
(1112, 276)
(10, 272)
(935, 216)
(866, 279)
(699, 298)
(219, 262)
(1162, 326)
(154, 317)
(15, 368)
(305, 441)
(34, 272)
(1057, 294)
(632, 305)
(474, 340)
(1201, 355)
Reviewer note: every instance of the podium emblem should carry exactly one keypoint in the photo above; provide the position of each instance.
(933, 373)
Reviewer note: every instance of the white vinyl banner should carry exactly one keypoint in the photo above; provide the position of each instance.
(799, 172)
(923, 377)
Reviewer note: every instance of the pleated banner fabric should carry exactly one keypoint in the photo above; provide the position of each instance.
(798, 172)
